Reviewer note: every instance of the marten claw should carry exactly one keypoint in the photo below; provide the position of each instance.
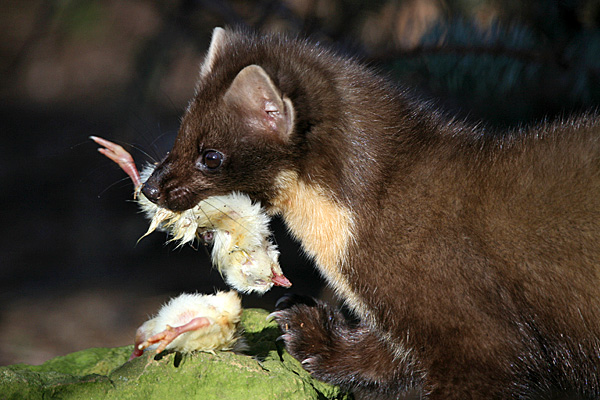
(290, 299)
(307, 362)
(273, 316)
(285, 338)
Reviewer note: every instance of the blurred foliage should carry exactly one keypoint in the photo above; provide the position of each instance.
(78, 18)
(538, 63)
(504, 75)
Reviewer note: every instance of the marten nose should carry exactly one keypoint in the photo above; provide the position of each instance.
(151, 191)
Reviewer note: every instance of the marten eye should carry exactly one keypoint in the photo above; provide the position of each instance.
(212, 159)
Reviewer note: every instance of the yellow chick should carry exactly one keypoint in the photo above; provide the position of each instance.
(237, 228)
(193, 322)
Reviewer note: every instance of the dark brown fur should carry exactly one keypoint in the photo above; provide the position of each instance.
(474, 259)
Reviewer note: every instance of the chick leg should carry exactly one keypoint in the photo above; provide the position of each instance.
(168, 335)
(121, 157)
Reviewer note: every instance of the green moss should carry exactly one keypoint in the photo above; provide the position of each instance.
(264, 371)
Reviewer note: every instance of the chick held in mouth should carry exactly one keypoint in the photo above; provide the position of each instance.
(236, 228)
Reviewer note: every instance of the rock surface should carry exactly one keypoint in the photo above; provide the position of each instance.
(264, 371)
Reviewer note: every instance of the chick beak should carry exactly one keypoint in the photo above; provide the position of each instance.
(280, 280)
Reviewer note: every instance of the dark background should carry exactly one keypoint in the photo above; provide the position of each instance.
(71, 273)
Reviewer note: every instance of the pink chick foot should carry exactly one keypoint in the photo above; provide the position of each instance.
(168, 335)
(119, 155)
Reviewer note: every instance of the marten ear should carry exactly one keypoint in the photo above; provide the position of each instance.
(216, 44)
(260, 103)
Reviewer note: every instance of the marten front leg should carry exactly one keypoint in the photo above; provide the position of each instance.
(350, 355)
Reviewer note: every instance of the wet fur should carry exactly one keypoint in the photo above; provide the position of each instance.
(471, 260)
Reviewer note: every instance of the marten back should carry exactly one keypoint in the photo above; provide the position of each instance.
(470, 260)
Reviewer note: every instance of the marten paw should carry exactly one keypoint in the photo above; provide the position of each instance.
(310, 329)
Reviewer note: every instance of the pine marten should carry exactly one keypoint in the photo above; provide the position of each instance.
(470, 261)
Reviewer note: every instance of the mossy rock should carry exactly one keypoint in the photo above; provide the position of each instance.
(264, 371)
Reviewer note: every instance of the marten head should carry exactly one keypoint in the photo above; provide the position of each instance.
(237, 132)
(268, 107)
